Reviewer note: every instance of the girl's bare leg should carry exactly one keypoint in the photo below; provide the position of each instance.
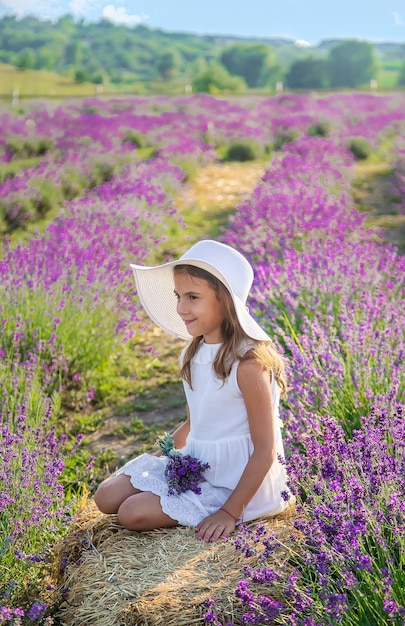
(112, 492)
(142, 511)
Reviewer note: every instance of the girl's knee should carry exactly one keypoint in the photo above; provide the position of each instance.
(129, 515)
(105, 498)
(143, 512)
(102, 500)
(112, 492)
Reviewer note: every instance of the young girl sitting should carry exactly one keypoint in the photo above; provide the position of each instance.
(233, 378)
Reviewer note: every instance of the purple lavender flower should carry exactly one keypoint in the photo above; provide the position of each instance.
(183, 471)
(37, 610)
(210, 617)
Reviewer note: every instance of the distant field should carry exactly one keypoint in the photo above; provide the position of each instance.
(39, 83)
(387, 79)
(27, 83)
(15, 83)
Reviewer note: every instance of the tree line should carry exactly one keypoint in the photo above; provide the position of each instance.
(104, 53)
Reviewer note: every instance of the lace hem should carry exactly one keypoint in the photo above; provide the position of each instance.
(146, 473)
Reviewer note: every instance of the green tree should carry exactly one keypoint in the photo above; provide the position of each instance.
(168, 64)
(98, 78)
(26, 59)
(81, 75)
(401, 76)
(255, 63)
(308, 73)
(74, 52)
(215, 78)
(46, 57)
(66, 25)
(351, 63)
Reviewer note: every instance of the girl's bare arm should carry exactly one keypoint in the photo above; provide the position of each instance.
(180, 434)
(254, 383)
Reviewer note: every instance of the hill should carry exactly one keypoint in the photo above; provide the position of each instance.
(120, 57)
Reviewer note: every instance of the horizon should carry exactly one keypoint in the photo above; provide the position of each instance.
(309, 23)
(221, 35)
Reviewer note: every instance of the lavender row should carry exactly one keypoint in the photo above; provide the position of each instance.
(66, 149)
(67, 304)
(333, 294)
(327, 285)
(106, 124)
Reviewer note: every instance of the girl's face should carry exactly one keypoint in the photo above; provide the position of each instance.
(198, 307)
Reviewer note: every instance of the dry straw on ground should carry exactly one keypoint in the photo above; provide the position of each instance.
(115, 577)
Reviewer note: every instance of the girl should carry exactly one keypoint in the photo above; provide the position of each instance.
(233, 378)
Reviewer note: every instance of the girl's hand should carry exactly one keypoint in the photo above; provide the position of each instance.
(215, 526)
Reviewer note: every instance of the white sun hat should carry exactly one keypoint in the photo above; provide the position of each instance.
(155, 286)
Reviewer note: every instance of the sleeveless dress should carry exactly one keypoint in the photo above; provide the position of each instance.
(219, 434)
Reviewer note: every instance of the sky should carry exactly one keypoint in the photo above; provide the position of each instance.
(304, 21)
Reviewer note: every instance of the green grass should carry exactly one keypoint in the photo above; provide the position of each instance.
(375, 196)
(368, 177)
(27, 83)
(12, 168)
(387, 78)
(39, 83)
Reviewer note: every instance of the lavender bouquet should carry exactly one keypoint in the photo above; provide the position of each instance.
(183, 472)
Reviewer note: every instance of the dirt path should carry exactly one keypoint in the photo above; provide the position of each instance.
(374, 192)
(220, 186)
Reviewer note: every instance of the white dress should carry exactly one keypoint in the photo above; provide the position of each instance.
(219, 434)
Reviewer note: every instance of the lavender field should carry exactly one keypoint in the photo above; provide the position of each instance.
(88, 187)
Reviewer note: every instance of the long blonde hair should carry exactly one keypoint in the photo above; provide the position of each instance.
(233, 337)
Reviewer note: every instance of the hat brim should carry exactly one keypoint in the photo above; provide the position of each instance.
(155, 287)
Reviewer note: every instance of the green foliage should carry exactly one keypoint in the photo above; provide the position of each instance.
(81, 75)
(360, 148)
(216, 79)
(168, 63)
(84, 423)
(88, 51)
(308, 73)
(43, 196)
(26, 59)
(12, 168)
(136, 138)
(256, 63)
(27, 147)
(319, 129)
(284, 134)
(351, 64)
(401, 77)
(243, 151)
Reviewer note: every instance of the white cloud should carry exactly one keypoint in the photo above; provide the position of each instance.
(398, 19)
(301, 43)
(79, 7)
(119, 15)
(48, 8)
(27, 7)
